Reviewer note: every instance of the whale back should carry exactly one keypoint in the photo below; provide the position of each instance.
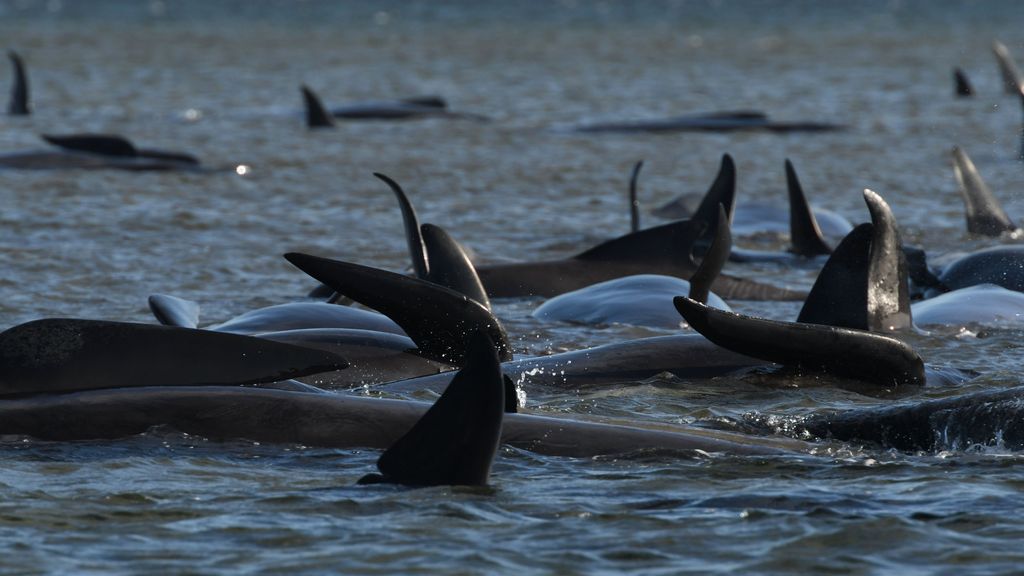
(174, 311)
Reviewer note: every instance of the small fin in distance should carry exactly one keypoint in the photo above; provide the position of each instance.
(714, 259)
(671, 242)
(985, 215)
(805, 235)
(174, 311)
(866, 356)
(316, 115)
(438, 319)
(454, 442)
(839, 295)
(413, 232)
(65, 355)
(450, 266)
(19, 103)
(634, 203)
(102, 144)
(962, 86)
(888, 288)
(1007, 68)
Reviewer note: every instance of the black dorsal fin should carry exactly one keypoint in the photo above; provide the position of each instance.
(843, 352)
(413, 233)
(714, 259)
(316, 115)
(438, 319)
(19, 103)
(450, 266)
(102, 144)
(455, 441)
(722, 192)
(839, 295)
(174, 311)
(888, 287)
(64, 355)
(634, 203)
(1007, 68)
(962, 86)
(985, 215)
(671, 242)
(805, 235)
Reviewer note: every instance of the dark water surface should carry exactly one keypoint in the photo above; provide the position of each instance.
(221, 80)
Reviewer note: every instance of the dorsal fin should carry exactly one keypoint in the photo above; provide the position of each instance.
(888, 288)
(455, 441)
(63, 355)
(19, 104)
(844, 352)
(316, 115)
(714, 259)
(962, 86)
(102, 144)
(671, 242)
(1007, 68)
(805, 235)
(413, 233)
(985, 215)
(722, 192)
(438, 319)
(450, 266)
(634, 203)
(427, 101)
(174, 311)
(839, 295)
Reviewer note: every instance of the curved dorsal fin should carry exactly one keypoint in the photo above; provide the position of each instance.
(722, 192)
(805, 235)
(413, 233)
(455, 441)
(839, 295)
(174, 311)
(1007, 68)
(19, 104)
(888, 289)
(844, 352)
(714, 259)
(962, 86)
(437, 319)
(316, 115)
(450, 266)
(985, 215)
(634, 203)
(102, 144)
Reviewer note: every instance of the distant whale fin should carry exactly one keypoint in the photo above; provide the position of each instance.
(671, 242)
(1007, 68)
(455, 441)
(839, 295)
(437, 319)
(19, 104)
(64, 355)
(634, 203)
(450, 266)
(316, 115)
(426, 101)
(962, 86)
(805, 235)
(866, 356)
(413, 234)
(102, 144)
(985, 215)
(174, 311)
(714, 259)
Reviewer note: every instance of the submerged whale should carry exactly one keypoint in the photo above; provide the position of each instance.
(99, 151)
(728, 121)
(319, 116)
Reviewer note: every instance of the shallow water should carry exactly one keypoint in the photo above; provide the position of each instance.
(222, 80)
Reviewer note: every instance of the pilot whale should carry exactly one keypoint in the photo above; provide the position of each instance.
(727, 121)
(19, 104)
(319, 116)
(99, 151)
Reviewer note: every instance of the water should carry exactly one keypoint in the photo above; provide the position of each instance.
(221, 80)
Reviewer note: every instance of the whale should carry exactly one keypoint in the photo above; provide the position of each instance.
(725, 121)
(984, 213)
(19, 104)
(99, 151)
(319, 116)
(962, 87)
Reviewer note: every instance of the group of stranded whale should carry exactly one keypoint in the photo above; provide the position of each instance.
(297, 372)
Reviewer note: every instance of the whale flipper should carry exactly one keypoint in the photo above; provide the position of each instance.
(19, 103)
(63, 355)
(454, 442)
(174, 311)
(634, 204)
(962, 86)
(805, 235)
(1007, 68)
(714, 259)
(102, 144)
(866, 356)
(413, 234)
(437, 319)
(450, 266)
(985, 215)
(316, 115)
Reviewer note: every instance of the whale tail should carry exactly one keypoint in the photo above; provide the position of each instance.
(174, 311)
(455, 441)
(961, 85)
(19, 102)
(805, 235)
(985, 215)
(316, 115)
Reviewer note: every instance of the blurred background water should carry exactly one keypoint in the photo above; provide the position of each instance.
(220, 80)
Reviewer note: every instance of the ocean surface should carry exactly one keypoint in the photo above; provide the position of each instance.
(221, 80)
